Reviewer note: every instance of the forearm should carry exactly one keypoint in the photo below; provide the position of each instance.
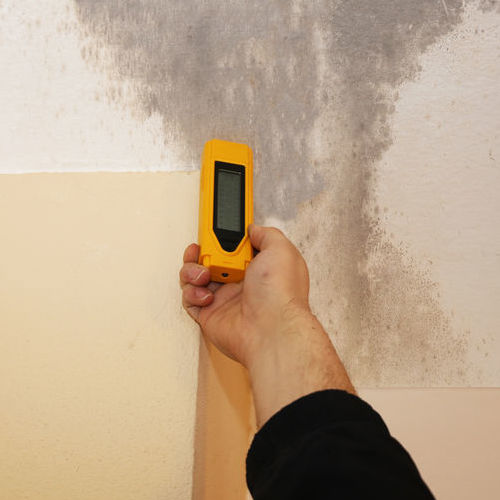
(296, 360)
(328, 444)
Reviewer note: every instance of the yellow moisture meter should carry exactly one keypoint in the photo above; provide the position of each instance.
(226, 210)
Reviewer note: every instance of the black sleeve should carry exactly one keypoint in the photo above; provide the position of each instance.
(330, 445)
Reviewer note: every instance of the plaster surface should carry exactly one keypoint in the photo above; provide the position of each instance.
(59, 114)
(409, 288)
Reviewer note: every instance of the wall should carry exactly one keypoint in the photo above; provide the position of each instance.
(378, 121)
(98, 365)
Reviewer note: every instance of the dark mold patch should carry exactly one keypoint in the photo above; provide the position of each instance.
(489, 5)
(405, 338)
(235, 70)
(389, 322)
(311, 86)
(381, 310)
(248, 71)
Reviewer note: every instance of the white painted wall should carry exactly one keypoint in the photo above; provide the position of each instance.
(57, 114)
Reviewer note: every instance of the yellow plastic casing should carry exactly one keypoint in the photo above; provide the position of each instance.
(212, 255)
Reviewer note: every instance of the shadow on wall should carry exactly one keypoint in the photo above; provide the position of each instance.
(225, 424)
(311, 86)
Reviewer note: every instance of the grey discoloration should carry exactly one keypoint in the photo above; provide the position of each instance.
(381, 310)
(391, 329)
(406, 339)
(235, 70)
(488, 5)
(311, 86)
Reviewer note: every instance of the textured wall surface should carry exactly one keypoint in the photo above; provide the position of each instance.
(375, 127)
(98, 366)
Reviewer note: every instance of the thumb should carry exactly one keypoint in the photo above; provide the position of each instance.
(264, 237)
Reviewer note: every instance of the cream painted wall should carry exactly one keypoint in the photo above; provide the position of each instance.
(99, 366)
(98, 370)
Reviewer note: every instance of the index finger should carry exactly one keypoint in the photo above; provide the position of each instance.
(191, 253)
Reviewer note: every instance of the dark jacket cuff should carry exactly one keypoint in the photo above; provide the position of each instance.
(301, 417)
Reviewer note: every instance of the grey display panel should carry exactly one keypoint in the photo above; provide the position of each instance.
(229, 200)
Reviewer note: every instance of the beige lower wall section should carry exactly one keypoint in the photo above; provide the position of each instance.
(452, 435)
(98, 362)
(225, 424)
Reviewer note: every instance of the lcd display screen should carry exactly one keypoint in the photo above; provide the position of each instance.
(229, 199)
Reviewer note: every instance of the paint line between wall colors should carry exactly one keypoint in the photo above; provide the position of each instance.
(154, 169)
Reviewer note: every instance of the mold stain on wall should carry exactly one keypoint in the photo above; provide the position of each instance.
(311, 86)
(489, 5)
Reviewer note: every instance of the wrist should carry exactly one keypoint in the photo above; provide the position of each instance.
(276, 329)
(294, 360)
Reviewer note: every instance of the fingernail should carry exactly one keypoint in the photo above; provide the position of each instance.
(202, 294)
(198, 275)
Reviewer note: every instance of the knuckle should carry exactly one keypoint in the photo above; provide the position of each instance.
(277, 232)
(186, 294)
(184, 275)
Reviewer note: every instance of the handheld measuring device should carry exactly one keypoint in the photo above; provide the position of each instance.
(226, 210)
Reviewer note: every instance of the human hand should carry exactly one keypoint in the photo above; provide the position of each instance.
(240, 318)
